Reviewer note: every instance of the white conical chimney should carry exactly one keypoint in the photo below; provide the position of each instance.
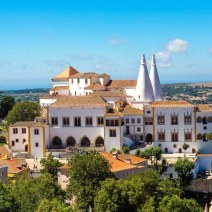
(154, 78)
(143, 91)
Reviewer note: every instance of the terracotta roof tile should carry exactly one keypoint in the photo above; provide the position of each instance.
(61, 88)
(49, 96)
(128, 110)
(108, 94)
(204, 107)
(134, 159)
(121, 83)
(65, 74)
(78, 101)
(85, 75)
(116, 164)
(5, 151)
(12, 165)
(171, 104)
(95, 86)
(27, 124)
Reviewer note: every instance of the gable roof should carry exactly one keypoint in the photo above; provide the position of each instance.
(65, 74)
(171, 104)
(78, 101)
(118, 84)
(84, 75)
(204, 108)
(128, 110)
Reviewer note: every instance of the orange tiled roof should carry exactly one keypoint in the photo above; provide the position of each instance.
(95, 86)
(116, 164)
(27, 124)
(78, 101)
(49, 96)
(65, 74)
(171, 104)
(128, 110)
(5, 151)
(121, 83)
(134, 159)
(108, 94)
(12, 165)
(61, 88)
(204, 107)
(85, 75)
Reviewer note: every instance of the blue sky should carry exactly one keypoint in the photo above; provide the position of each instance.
(40, 38)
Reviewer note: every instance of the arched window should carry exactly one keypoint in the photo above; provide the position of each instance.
(56, 142)
(70, 141)
(199, 136)
(205, 137)
(85, 142)
(210, 119)
(99, 141)
(193, 150)
(180, 150)
(199, 119)
(166, 150)
(205, 120)
(149, 138)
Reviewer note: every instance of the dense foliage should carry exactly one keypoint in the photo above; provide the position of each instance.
(183, 168)
(6, 104)
(87, 171)
(154, 154)
(23, 111)
(50, 166)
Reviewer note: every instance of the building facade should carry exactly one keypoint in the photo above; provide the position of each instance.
(90, 110)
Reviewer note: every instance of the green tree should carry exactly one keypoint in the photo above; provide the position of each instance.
(126, 150)
(6, 104)
(50, 165)
(23, 111)
(29, 192)
(185, 147)
(109, 198)
(54, 205)
(154, 154)
(8, 202)
(149, 206)
(176, 204)
(183, 168)
(87, 171)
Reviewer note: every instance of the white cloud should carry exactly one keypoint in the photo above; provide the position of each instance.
(163, 58)
(177, 45)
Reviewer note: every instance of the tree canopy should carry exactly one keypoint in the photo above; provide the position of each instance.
(50, 166)
(23, 111)
(6, 104)
(183, 168)
(154, 154)
(87, 171)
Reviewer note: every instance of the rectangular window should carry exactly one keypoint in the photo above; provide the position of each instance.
(15, 130)
(161, 136)
(127, 121)
(72, 81)
(24, 140)
(36, 144)
(100, 120)
(77, 121)
(148, 120)
(188, 136)
(138, 120)
(86, 81)
(161, 119)
(88, 121)
(187, 119)
(112, 122)
(66, 121)
(112, 133)
(133, 121)
(23, 130)
(54, 121)
(13, 143)
(78, 80)
(175, 136)
(16, 140)
(138, 129)
(36, 131)
(141, 137)
(174, 120)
